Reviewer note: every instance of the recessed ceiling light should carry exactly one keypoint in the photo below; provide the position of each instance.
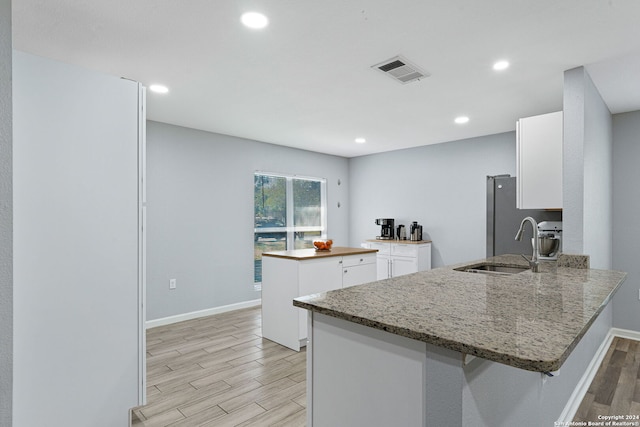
(158, 89)
(254, 20)
(461, 120)
(360, 140)
(501, 65)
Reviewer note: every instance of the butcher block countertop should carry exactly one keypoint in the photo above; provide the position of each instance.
(402, 242)
(306, 254)
(528, 320)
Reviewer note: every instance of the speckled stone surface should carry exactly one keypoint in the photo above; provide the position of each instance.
(573, 261)
(528, 320)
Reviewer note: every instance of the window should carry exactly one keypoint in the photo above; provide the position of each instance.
(290, 213)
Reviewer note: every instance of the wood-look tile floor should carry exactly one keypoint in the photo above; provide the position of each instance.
(615, 390)
(219, 371)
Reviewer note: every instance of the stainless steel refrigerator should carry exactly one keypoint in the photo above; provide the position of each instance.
(503, 218)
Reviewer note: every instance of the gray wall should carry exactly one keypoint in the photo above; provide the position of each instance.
(587, 170)
(200, 213)
(6, 214)
(441, 186)
(76, 326)
(626, 227)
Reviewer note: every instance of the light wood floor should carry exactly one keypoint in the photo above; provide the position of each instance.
(615, 390)
(219, 371)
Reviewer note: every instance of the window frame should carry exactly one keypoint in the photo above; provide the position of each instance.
(290, 229)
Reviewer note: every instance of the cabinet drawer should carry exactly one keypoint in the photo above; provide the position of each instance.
(400, 249)
(362, 259)
(383, 248)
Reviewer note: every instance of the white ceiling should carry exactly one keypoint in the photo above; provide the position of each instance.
(305, 81)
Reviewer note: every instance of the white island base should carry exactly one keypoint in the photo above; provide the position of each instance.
(360, 376)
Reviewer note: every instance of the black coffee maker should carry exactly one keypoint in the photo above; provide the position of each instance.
(386, 231)
(415, 233)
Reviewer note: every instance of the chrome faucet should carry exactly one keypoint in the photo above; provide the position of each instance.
(534, 264)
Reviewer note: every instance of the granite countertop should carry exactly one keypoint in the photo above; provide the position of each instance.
(305, 254)
(527, 320)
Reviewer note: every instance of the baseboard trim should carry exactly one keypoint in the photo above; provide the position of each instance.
(626, 333)
(200, 313)
(570, 409)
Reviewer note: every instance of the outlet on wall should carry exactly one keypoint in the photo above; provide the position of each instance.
(172, 283)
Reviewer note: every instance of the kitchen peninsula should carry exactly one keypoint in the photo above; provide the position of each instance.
(397, 351)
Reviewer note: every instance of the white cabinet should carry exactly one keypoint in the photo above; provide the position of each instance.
(358, 269)
(403, 265)
(397, 258)
(383, 266)
(539, 161)
(287, 277)
(383, 258)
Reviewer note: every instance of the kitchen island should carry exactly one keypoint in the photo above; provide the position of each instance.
(288, 274)
(397, 351)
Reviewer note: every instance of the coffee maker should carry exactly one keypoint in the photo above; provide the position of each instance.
(386, 231)
(549, 239)
(415, 233)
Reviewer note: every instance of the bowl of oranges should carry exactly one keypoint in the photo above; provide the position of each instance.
(323, 245)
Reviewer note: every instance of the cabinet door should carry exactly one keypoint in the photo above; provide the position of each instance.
(403, 265)
(358, 274)
(539, 162)
(382, 267)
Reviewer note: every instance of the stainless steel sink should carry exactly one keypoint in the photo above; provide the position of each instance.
(503, 270)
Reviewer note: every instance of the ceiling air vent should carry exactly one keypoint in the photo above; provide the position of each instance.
(401, 70)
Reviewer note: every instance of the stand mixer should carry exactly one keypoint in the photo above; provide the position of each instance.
(549, 239)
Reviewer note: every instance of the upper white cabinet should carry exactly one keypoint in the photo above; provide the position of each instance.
(539, 162)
